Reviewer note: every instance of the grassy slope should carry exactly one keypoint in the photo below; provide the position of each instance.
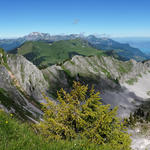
(15, 135)
(42, 53)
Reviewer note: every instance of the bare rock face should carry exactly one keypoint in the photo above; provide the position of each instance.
(123, 84)
(112, 77)
(29, 77)
(56, 78)
(16, 101)
(21, 87)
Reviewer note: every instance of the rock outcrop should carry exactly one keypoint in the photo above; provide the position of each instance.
(17, 102)
(123, 84)
(112, 77)
(22, 83)
(29, 77)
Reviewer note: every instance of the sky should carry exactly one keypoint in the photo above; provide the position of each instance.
(112, 18)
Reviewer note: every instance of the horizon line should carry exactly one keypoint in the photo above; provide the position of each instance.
(81, 33)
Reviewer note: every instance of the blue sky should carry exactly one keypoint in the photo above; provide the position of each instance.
(111, 17)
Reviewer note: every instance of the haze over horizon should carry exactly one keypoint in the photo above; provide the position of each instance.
(99, 35)
(112, 18)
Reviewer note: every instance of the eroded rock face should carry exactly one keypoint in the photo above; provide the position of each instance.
(29, 77)
(112, 77)
(123, 84)
(17, 102)
(22, 83)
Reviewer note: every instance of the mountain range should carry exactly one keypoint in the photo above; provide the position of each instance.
(41, 64)
(46, 63)
(142, 43)
(124, 51)
(122, 83)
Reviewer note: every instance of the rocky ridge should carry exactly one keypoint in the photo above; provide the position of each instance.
(112, 77)
(123, 84)
(115, 79)
(15, 95)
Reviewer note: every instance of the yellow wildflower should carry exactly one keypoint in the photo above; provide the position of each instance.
(6, 122)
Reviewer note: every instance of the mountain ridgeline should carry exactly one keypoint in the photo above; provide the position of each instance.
(122, 51)
(24, 84)
(40, 65)
(48, 63)
(125, 51)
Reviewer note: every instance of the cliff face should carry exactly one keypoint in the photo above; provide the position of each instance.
(29, 77)
(21, 84)
(123, 84)
(115, 79)
(16, 101)
(107, 69)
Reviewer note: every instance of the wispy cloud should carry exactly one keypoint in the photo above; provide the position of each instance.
(76, 21)
(103, 35)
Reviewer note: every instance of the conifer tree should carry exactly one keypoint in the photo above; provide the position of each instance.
(80, 114)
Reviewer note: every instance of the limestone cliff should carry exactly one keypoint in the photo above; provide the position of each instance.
(112, 77)
(123, 84)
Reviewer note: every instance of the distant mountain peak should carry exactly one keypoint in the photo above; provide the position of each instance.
(99, 42)
(33, 36)
(37, 34)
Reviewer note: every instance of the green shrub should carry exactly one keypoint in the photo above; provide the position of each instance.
(80, 114)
